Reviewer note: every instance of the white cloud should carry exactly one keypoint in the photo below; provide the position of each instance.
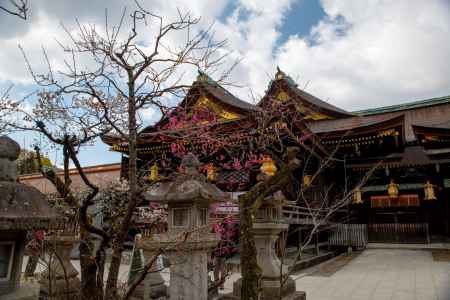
(363, 54)
(391, 51)
(252, 32)
(43, 29)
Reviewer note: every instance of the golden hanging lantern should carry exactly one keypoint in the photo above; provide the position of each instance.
(307, 179)
(154, 172)
(428, 189)
(211, 172)
(392, 190)
(357, 196)
(268, 166)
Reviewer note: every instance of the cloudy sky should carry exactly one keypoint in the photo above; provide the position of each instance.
(352, 53)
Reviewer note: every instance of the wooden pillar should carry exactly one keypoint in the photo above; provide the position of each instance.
(317, 243)
(299, 238)
(299, 246)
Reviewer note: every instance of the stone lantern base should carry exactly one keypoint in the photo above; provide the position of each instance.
(60, 280)
(152, 287)
(266, 234)
(27, 291)
(188, 264)
(270, 289)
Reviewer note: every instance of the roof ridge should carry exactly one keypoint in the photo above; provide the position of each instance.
(205, 78)
(404, 106)
(314, 100)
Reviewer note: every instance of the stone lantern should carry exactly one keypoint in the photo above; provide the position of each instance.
(189, 238)
(267, 226)
(22, 208)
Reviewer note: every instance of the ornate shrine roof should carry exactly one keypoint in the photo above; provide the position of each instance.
(222, 94)
(432, 114)
(283, 80)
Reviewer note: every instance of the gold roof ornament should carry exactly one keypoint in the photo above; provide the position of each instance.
(211, 172)
(202, 76)
(279, 75)
(154, 172)
(268, 166)
(392, 190)
(282, 96)
(428, 189)
(357, 196)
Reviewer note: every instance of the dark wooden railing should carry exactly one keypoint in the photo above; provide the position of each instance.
(349, 235)
(399, 233)
(294, 214)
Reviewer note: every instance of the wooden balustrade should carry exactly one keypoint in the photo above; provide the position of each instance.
(349, 235)
(399, 233)
(294, 214)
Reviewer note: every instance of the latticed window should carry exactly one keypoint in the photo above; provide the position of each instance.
(6, 259)
(203, 216)
(180, 217)
(233, 180)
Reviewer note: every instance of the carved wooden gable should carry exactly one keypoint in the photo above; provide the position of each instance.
(205, 103)
(306, 109)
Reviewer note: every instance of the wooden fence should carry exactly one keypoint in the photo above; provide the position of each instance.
(399, 233)
(349, 234)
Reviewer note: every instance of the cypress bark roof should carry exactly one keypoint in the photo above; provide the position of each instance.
(429, 113)
(220, 93)
(433, 114)
(284, 81)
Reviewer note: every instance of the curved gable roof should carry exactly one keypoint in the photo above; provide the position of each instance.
(283, 80)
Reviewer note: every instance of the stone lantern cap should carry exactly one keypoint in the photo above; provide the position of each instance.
(22, 207)
(9, 148)
(188, 186)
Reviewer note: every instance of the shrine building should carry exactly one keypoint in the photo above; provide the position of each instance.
(401, 154)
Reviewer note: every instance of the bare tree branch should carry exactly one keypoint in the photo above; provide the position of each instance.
(19, 8)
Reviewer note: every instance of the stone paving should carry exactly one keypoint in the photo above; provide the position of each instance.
(383, 274)
(376, 274)
(379, 274)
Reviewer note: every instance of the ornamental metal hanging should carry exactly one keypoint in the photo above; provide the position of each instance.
(392, 190)
(428, 189)
(357, 196)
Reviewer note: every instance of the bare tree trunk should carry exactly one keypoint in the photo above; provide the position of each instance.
(89, 290)
(249, 265)
(117, 247)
